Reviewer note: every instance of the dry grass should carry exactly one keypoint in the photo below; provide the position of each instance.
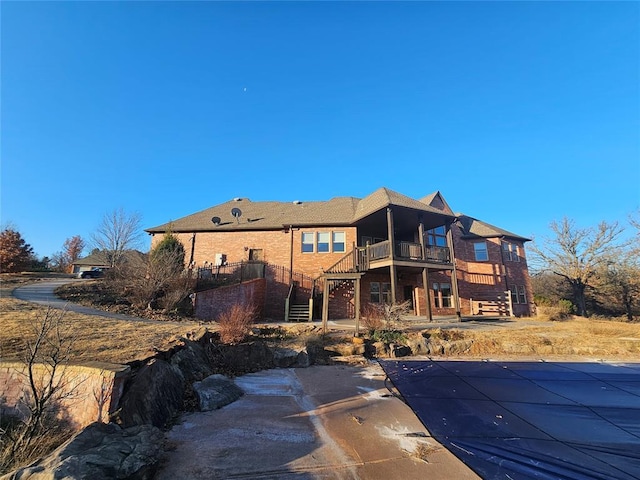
(95, 338)
(576, 337)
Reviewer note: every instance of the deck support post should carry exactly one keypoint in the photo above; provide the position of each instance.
(356, 300)
(454, 273)
(425, 270)
(392, 244)
(325, 305)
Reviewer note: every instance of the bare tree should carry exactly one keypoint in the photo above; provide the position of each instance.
(154, 281)
(48, 349)
(118, 232)
(577, 254)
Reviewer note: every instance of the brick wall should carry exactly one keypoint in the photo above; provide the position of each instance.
(93, 389)
(276, 247)
(209, 304)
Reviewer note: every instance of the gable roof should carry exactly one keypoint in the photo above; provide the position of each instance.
(339, 211)
(383, 197)
(436, 200)
(101, 259)
(474, 228)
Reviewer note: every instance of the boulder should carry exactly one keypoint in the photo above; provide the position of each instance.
(418, 345)
(290, 357)
(381, 349)
(457, 347)
(154, 395)
(101, 452)
(241, 358)
(192, 361)
(215, 392)
(398, 351)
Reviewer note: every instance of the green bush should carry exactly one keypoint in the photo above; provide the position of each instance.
(388, 336)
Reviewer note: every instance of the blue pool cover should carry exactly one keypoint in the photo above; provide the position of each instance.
(529, 420)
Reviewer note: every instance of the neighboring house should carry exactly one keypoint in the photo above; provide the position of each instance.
(383, 248)
(100, 259)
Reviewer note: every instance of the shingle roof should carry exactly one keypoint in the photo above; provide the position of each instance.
(383, 197)
(100, 259)
(436, 200)
(274, 215)
(474, 228)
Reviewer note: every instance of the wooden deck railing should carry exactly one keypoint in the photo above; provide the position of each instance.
(361, 258)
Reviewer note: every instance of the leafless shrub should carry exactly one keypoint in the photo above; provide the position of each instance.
(372, 317)
(41, 427)
(235, 323)
(153, 281)
(393, 314)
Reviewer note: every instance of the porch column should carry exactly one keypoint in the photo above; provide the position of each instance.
(325, 305)
(425, 270)
(392, 247)
(356, 300)
(454, 274)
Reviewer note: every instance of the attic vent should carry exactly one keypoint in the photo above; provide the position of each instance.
(297, 202)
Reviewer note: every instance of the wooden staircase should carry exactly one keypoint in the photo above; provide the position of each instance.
(299, 312)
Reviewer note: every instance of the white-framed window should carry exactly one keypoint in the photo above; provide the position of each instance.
(442, 294)
(308, 242)
(338, 242)
(323, 242)
(437, 237)
(380, 292)
(510, 251)
(481, 252)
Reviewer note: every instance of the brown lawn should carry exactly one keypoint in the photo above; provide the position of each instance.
(101, 339)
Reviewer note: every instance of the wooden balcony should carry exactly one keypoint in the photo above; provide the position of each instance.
(366, 258)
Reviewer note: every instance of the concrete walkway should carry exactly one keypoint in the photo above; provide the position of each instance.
(322, 422)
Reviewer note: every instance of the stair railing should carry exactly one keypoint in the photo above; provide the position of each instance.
(287, 301)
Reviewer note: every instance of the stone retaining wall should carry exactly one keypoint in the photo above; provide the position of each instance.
(91, 391)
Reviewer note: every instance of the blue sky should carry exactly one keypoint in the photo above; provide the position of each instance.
(519, 113)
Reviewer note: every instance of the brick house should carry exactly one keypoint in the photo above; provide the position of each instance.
(347, 252)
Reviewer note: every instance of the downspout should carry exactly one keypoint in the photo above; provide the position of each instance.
(291, 255)
(193, 248)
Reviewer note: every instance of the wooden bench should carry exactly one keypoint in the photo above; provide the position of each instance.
(490, 307)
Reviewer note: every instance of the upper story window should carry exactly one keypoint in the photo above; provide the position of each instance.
(307, 242)
(338, 242)
(481, 252)
(510, 251)
(437, 237)
(323, 242)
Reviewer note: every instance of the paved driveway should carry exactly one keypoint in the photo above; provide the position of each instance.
(42, 293)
